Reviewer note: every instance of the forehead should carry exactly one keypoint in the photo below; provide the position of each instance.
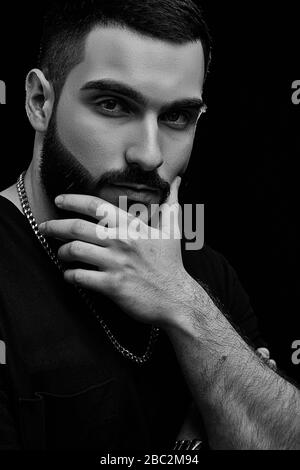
(161, 70)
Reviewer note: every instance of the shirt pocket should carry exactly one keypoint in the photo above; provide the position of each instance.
(83, 420)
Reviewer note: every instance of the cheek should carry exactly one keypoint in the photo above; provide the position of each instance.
(87, 137)
(178, 159)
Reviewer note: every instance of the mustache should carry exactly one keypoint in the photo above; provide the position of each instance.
(135, 175)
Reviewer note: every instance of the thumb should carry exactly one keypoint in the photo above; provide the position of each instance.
(170, 211)
(173, 196)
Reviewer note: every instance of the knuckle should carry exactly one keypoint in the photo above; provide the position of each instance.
(122, 266)
(263, 352)
(93, 206)
(131, 218)
(100, 210)
(124, 260)
(77, 276)
(116, 281)
(48, 227)
(77, 227)
(128, 244)
(74, 248)
(101, 233)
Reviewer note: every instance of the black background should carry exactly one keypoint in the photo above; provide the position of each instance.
(244, 163)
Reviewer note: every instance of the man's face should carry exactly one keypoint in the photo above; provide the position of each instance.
(126, 118)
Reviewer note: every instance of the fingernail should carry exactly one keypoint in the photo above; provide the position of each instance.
(42, 226)
(59, 200)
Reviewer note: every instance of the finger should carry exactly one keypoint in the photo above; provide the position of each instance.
(95, 280)
(263, 352)
(272, 364)
(87, 253)
(95, 207)
(170, 211)
(173, 196)
(75, 229)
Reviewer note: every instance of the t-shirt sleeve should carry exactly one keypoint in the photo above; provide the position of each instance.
(238, 308)
(222, 283)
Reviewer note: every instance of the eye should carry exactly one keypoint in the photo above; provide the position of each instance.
(177, 119)
(112, 107)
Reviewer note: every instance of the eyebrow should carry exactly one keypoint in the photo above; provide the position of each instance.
(126, 90)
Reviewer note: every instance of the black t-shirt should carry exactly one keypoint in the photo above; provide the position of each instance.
(64, 386)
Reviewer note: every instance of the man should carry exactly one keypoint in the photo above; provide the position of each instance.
(115, 105)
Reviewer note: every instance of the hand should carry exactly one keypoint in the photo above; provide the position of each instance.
(264, 354)
(143, 273)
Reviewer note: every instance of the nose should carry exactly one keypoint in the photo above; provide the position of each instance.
(145, 150)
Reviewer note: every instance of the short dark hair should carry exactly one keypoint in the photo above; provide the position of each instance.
(67, 23)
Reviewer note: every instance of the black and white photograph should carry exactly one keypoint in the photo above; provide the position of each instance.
(149, 260)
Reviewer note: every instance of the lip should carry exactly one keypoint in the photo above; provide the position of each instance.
(136, 187)
(134, 192)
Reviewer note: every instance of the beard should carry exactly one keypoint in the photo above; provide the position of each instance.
(62, 173)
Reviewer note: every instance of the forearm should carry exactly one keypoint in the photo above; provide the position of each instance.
(244, 403)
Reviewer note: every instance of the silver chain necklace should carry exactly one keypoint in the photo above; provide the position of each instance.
(88, 301)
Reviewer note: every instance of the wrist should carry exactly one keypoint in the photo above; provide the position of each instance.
(192, 308)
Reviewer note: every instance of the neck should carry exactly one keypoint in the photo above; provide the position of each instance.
(41, 207)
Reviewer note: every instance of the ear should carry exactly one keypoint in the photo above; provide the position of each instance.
(39, 100)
